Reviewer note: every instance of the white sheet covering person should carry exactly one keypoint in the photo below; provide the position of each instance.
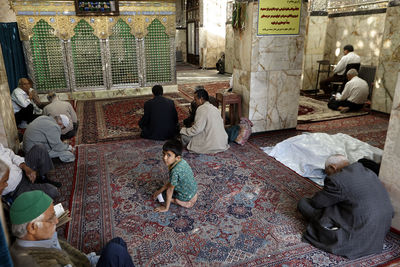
(306, 154)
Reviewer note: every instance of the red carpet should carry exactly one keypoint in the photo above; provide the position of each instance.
(212, 88)
(117, 119)
(245, 215)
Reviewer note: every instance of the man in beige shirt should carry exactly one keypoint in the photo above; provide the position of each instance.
(57, 107)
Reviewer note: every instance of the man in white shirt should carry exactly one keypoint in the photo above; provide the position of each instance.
(29, 173)
(338, 72)
(354, 95)
(22, 104)
(57, 107)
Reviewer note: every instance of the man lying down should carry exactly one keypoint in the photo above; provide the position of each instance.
(306, 154)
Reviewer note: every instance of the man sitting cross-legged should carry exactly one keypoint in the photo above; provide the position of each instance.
(160, 119)
(33, 223)
(352, 214)
(29, 173)
(207, 135)
(354, 95)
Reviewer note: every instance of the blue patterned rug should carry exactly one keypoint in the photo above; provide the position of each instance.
(245, 215)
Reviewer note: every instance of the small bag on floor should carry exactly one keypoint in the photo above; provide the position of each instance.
(245, 131)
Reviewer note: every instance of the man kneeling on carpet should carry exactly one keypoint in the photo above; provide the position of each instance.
(352, 214)
(354, 95)
(182, 187)
(34, 222)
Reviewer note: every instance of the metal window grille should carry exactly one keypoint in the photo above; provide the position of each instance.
(157, 54)
(86, 56)
(124, 65)
(48, 59)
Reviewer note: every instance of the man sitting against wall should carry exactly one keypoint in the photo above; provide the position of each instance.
(354, 95)
(339, 71)
(22, 104)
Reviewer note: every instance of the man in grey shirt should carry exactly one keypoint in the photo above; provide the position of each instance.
(47, 131)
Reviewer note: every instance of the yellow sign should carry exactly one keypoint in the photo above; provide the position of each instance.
(279, 17)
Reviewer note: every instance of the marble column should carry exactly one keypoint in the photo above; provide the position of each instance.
(389, 172)
(212, 31)
(8, 128)
(389, 61)
(267, 73)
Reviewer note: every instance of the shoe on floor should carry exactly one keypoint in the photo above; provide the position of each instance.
(344, 109)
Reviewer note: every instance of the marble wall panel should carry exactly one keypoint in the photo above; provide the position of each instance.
(6, 13)
(389, 62)
(229, 52)
(180, 42)
(389, 172)
(274, 106)
(314, 49)
(310, 72)
(212, 32)
(241, 81)
(316, 33)
(364, 32)
(8, 128)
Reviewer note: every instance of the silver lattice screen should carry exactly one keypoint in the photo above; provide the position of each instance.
(86, 62)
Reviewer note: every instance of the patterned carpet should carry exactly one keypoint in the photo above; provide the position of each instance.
(321, 112)
(212, 88)
(117, 119)
(245, 214)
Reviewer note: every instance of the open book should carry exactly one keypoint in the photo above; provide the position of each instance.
(61, 214)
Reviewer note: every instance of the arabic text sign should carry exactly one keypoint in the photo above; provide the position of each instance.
(278, 17)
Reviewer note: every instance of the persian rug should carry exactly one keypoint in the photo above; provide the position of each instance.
(117, 119)
(245, 214)
(63, 173)
(321, 112)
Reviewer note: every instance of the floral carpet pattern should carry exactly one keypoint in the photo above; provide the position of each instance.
(245, 215)
(117, 119)
(319, 111)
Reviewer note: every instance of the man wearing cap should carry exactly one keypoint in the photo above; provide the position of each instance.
(33, 223)
(57, 107)
(46, 130)
(26, 174)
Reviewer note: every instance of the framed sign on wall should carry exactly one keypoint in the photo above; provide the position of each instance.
(96, 8)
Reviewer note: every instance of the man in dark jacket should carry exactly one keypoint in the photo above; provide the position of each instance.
(352, 214)
(160, 119)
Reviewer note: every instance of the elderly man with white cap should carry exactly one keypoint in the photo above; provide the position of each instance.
(33, 222)
(46, 130)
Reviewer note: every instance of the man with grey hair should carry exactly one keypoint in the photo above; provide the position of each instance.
(57, 107)
(46, 130)
(22, 102)
(354, 95)
(352, 214)
(33, 223)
